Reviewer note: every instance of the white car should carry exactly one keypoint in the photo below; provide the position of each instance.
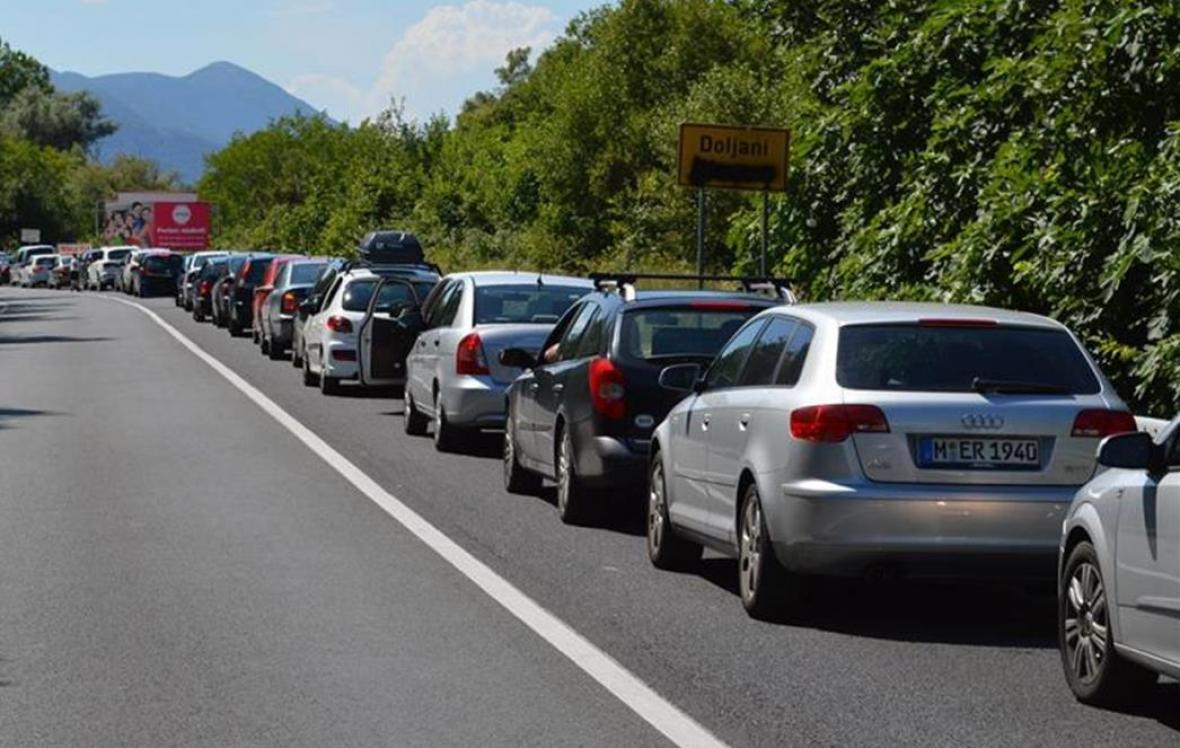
(39, 271)
(23, 259)
(104, 271)
(329, 337)
(1119, 580)
(192, 268)
(454, 376)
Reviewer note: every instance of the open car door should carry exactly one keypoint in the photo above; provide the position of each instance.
(392, 323)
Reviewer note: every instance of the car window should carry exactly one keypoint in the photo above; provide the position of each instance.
(724, 371)
(331, 295)
(448, 306)
(568, 345)
(357, 294)
(394, 295)
(258, 269)
(118, 254)
(765, 355)
(298, 273)
(945, 357)
(523, 303)
(591, 342)
(655, 333)
(795, 355)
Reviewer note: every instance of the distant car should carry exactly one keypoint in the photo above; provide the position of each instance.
(5, 268)
(315, 298)
(879, 439)
(454, 377)
(128, 270)
(39, 271)
(262, 290)
(192, 271)
(23, 261)
(104, 271)
(84, 261)
(223, 288)
(583, 415)
(1119, 571)
(241, 292)
(329, 335)
(280, 309)
(158, 271)
(212, 271)
(59, 276)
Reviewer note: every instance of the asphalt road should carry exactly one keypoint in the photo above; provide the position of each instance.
(177, 568)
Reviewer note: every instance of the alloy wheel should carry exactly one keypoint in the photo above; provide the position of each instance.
(655, 509)
(750, 558)
(563, 476)
(1087, 636)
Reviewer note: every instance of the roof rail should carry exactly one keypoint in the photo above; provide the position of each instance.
(352, 264)
(624, 283)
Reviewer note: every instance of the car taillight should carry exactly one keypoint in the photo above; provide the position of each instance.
(337, 323)
(203, 289)
(289, 303)
(835, 423)
(608, 389)
(469, 356)
(1098, 423)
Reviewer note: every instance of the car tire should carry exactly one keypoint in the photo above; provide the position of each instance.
(574, 502)
(447, 436)
(1095, 671)
(517, 478)
(296, 357)
(413, 422)
(665, 549)
(766, 588)
(263, 346)
(235, 329)
(274, 351)
(309, 379)
(329, 385)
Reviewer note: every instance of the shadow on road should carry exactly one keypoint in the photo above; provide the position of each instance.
(9, 414)
(30, 339)
(1161, 704)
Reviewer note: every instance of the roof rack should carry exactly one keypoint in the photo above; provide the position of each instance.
(624, 283)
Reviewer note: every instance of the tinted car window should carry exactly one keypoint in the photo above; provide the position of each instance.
(523, 303)
(118, 254)
(236, 263)
(724, 371)
(157, 264)
(569, 342)
(257, 269)
(591, 342)
(393, 295)
(924, 358)
(304, 272)
(448, 305)
(358, 293)
(795, 355)
(765, 355)
(655, 333)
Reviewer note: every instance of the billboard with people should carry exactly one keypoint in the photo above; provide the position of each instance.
(175, 220)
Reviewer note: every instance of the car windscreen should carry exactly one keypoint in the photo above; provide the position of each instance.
(156, 264)
(357, 294)
(523, 303)
(948, 358)
(118, 254)
(305, 272)
(655, 333)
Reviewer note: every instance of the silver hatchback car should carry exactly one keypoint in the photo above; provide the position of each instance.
(879, 439)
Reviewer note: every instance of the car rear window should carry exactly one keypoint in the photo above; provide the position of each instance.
(357, 294)
(118, 254)
(44, 261)
(257, 269)
(523, 303)
(656, 333)
(306, 272)
(923, 358)
(157, 264)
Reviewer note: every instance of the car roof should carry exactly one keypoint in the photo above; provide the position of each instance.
(515, 277)
(868, 312)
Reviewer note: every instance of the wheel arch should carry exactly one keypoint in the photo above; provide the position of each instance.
(745, 480)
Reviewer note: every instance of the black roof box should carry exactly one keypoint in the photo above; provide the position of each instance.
(391, 248)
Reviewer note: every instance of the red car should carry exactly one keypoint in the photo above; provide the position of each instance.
(262, 291)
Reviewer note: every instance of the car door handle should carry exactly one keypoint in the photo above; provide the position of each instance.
(436, 343)
(744, 421)
(705, 423)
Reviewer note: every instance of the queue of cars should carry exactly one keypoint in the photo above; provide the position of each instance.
(874, 439)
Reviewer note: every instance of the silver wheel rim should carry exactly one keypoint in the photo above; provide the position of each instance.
(655, 509)
(509, 457)
(438, 420)
(563, 476)
(1086, 623)
(750, 560)
(407, 408)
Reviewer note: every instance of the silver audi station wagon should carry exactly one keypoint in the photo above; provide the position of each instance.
(879, 438)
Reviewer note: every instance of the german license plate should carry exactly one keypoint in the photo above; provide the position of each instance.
(952, 451)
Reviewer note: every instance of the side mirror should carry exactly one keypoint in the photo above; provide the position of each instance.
(305, 309)
(680, 377)
(518, 358)
(1133, 451)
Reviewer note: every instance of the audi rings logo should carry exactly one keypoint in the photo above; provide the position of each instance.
(981, 421)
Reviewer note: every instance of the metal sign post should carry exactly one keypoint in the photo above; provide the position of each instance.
(765, 221)
(700, 234)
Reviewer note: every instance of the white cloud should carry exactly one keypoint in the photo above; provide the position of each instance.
(340, 98)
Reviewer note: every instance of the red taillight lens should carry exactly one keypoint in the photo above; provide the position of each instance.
(608, 390)
(203, 289)
(1098, 423)
(343, 355)
(469, 356)
(835, 423)
(289, 303)
(339, 324)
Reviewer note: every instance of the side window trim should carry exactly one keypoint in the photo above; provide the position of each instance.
(803, 327)
(770, 321)
(760, 323)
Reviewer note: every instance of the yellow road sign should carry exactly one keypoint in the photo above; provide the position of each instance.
(734, 158)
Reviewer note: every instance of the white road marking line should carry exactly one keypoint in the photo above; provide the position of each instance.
(657, 711)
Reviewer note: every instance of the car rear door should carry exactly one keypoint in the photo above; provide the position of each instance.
(387, 332)
(423, 365)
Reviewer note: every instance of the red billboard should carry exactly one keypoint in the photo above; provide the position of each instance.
(182, 225)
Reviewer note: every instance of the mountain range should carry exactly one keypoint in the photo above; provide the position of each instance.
(176, 120)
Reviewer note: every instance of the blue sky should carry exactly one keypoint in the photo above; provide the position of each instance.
(346, 56)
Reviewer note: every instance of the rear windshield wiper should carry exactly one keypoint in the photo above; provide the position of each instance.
(1012, 387)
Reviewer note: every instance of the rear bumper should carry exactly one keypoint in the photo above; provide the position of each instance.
(474, 401)
(919, 530)
(608, 460)
(282, 332)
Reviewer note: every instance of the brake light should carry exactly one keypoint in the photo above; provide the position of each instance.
(289, 303)
(469, 356)
(337, 323)
(932, 322)
(607, 388)
(835, 423)
(1098, 423)
(203, 289)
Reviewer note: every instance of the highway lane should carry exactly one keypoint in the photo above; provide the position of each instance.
(868, 665)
